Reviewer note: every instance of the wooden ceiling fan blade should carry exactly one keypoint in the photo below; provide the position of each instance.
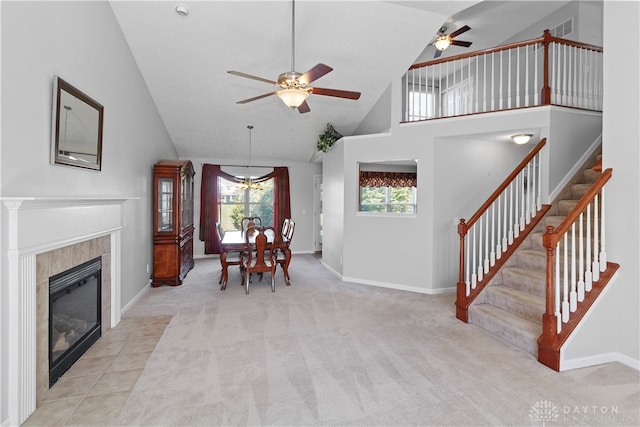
(315, 73)
(255, 98)
(460, 43)
(249, 76)
(460, 31)
(303, 108)
(335, 92)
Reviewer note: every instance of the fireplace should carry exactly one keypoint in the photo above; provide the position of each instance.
(44, 237)
(74, 315)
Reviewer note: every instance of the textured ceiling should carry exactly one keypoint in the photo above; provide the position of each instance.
(184, 61)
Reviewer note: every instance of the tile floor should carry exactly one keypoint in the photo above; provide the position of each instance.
(97, 386)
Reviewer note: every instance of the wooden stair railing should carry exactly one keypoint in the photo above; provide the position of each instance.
(511, 76)
(574, 285)
(493, 233)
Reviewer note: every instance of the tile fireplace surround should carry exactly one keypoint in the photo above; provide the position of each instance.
(45, 236)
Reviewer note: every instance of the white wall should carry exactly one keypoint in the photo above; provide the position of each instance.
(613, 328)
(301, 187)
(333, 207)
(460, 163)
(82, 43)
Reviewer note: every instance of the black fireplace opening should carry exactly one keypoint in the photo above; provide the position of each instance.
(75, 307)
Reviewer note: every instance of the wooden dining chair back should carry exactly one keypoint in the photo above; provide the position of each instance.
(250, 221)
(259, 257)
(227, 258)
(283, 252)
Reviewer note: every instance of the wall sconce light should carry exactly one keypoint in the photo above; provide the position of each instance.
(521, 138)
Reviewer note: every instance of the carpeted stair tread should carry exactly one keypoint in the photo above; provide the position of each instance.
(511, 328)
(534, 259)
(522, 304)
(525, 280)
(590, 176)
(579, 190)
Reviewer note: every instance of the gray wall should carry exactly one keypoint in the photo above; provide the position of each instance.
(82, 43)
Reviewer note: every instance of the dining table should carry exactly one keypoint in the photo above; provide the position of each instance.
(236, 241)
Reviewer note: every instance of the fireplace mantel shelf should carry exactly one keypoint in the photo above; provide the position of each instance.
(43, 202)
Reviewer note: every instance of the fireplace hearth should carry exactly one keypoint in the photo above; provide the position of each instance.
(74, 315)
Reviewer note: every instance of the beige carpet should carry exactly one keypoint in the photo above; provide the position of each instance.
(326, 352)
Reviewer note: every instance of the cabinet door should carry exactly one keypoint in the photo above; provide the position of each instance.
(165, 205)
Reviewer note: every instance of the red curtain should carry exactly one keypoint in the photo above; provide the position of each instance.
(210, 200)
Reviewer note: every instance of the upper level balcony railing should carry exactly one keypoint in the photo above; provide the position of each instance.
(542, 71)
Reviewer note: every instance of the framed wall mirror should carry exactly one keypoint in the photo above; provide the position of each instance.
(77, 127)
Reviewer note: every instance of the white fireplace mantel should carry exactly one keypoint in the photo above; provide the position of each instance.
(35, 225)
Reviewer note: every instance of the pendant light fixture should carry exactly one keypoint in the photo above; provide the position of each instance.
(248, 183)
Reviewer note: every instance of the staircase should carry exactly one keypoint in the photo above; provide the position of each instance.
(513, 302)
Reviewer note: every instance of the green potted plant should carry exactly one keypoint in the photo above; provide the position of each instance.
(327, 138)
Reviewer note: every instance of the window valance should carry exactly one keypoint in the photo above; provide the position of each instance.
(388, 179)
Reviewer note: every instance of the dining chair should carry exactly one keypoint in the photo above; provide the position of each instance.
(250, 221)
(283, 252)
(227, 258)
(259, 256)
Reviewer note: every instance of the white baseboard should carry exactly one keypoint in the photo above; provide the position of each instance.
(388, 285)
(136, 298)
(398, 286)
(599, 359)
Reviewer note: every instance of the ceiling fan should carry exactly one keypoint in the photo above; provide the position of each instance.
(443, 40)
(294, 87)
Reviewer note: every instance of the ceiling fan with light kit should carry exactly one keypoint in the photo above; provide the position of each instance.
(295, 87)
(443, 40)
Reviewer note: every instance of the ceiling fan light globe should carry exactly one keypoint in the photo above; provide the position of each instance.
(442, 43)
(292, 97)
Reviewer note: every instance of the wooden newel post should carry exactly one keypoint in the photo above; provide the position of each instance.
(461, 287)
(547, 353)
(546, 89)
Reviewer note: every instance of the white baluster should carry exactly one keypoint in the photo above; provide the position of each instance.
(536, 92)
(603, 252)
(467, 281)
(477, 107)
(588, 276)
(509, 80)
(573, 296)
(484, 86)
(527, 191)
(539, 194)
(595, 268)
(552, 72)
(486, 242)
(480, 256)
(492, 257)
(565, 283)
(505, 221)
(556, 288)
(526, 76)
(521, 188)
(500, 102)
(512, 232)
(499, 228)
(518, 77)
(581, 259)
(474, 278)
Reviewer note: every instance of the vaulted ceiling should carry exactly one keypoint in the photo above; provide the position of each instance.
(184, 61)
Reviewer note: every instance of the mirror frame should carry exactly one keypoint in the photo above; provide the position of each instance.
(57, 156)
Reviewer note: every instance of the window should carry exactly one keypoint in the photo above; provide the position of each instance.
(388, 199)
(237, 201)
(457, 100)
(421, 103)
(388, 188)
